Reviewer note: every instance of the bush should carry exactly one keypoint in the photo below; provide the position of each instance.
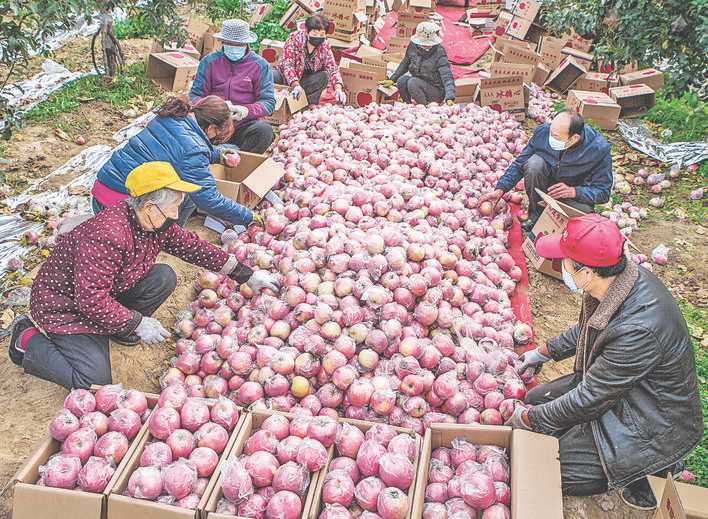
(672, 33)
(686, 117)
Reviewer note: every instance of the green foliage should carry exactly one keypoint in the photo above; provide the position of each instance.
(269, 28)
(685, 117)
(120, 92)
(131, 27)
(219, 10)
(697, 461)
(650, 32)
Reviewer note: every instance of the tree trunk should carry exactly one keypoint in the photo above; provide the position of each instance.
(112, 53)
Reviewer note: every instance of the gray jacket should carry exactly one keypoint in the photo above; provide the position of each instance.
(639, 389)
(432, 66)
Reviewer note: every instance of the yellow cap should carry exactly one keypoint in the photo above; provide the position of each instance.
(152, 176)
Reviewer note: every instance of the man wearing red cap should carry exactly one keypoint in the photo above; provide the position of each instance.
(631, 408)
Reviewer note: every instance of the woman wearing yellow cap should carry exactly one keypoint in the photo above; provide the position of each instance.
(101, 281)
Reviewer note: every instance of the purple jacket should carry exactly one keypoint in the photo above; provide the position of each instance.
(247, 82)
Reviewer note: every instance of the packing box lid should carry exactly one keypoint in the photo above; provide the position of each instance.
(283, 97)
(593, 98)
(630, 91)
(567, 73)
(257, 173)
(176, 59)
(501, 69)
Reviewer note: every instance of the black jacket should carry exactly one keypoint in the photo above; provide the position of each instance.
(432, 66)
(639, 389)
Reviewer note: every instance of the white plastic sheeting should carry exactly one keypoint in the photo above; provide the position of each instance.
(679, 153)
(134, 127)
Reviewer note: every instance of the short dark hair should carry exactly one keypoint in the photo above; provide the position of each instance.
(605, 272)
(576, 123)
(316, 23)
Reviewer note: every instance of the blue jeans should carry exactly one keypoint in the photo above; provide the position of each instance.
(185, 209)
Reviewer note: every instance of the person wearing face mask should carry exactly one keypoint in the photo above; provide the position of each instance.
(567, 159)
(181, 134)
(244, 79)
(308, 64)
(631, 406)
(101, 282)
(424, 75)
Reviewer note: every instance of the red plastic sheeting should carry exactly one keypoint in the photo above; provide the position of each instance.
(520, 302)
(461, 48)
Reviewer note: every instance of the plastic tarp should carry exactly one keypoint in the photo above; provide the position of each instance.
(681, 154)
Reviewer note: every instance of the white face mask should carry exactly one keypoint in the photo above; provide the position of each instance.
(570, 282)
(555, 143)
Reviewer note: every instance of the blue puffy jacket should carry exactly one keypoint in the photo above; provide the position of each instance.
(587, 166)
(182, 143)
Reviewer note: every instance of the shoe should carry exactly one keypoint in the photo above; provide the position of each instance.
(20, 324)
(527, 226)
(638, 495)
(130, 340)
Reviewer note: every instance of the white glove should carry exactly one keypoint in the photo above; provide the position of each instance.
(260, 279)
(297, 92)
(341, 96)
(516, 420)
(151, 331)
(532, 359)
(238, 112)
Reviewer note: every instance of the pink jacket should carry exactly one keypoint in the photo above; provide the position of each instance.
(292, 66)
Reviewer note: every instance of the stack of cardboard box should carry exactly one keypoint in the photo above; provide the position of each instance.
(348, 18)
(411, 14)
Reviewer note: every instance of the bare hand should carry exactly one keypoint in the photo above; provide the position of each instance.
(561, 190)
(492, 196)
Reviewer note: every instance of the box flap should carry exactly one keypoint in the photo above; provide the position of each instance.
(552, 203)
(176, 59)
(28, 472)
(534, 497)
(631, 90)
(32, 502)
(593, 98)
(670, 506)
(503, 69)
(693, 499)
(264, 177)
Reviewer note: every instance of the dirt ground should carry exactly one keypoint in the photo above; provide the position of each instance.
(28, 404)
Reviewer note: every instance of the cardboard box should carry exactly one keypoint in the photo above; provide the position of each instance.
(680, 499)
(347, 15)
(188, 49)
(252, 422)
(272, 50)
(518, 27)
(171, 70)
(361, 81)
(575, 41)
(540, 74)
(364, 426)
(550, 51)
(518, 54)
(553, 220)
(535, 34)
(530, 455)
(634, 99)
(211, 44)
(339, 47)
(285, 105)
(504, 94)
(564, 77)
(597, 82)
(502, 69)
(584, 58)
(502, 43)
(502, 23)
(466, 90)
(196, 30)
(250, 181)
(596, 107)
(32, 501)
(527, 9)
(650, 77)
(260, 11)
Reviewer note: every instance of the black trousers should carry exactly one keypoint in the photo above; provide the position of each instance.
(253, 136)
(313, 84)
(77, 361)
(419, 90)
(538, 175)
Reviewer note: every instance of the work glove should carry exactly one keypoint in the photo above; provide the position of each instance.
(533, 359)
(516, 420)
(386, 83)
(450, 102)
(231, 159)
(260, 280)
(238, 112)
(341, 96)
(297, 92)
(151, 331)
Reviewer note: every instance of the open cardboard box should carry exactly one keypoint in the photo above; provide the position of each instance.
(32, 501)
(272, 50)
(595, 106)
(650, 77)
(252, 422)
(534, 467)
(250, 181)
(679, 500)
(361, 80)
(504, 69)
(285, 105)
(597, 82)
(565, 76)
(364, 426)
(172, 70)
(504, 94)
(634, 99)
(553, 220)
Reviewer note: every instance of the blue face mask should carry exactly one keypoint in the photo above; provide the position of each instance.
(234, 53)
(555, 144)
(569, 281)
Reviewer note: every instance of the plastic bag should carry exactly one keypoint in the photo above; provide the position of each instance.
(660, 254)
(179, 478)
(235, 481)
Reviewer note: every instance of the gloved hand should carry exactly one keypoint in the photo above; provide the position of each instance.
(516, 420)
(341, 96)
(257, 219)
(239, 112)
(151, 331)
(231, 159)
(532, 359)
(387, 83)
(450, 102)
(260, 280)
(297, 92)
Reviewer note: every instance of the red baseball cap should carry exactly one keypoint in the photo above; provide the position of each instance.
(591, 239)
